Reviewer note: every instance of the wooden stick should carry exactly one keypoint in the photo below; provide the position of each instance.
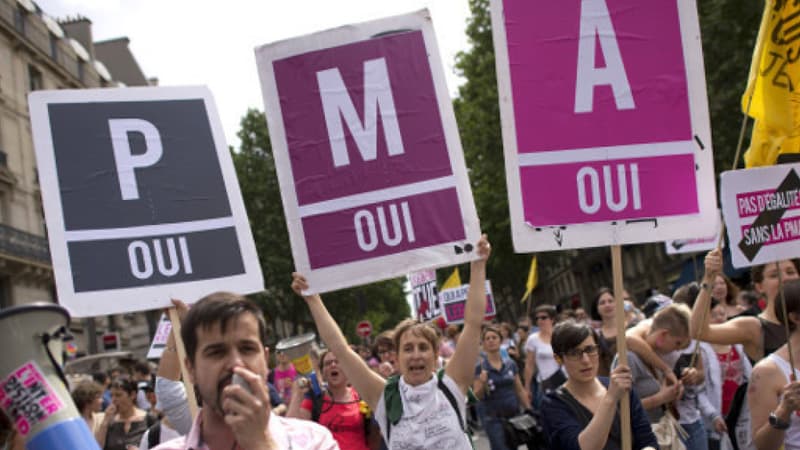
(176, 332)
(785, 320)
(622, 350)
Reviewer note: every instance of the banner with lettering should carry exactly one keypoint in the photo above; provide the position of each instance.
(762, 213)
(368, 156)
(454, 301)
(605, 122)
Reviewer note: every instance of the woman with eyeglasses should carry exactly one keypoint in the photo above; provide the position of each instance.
(576, 415)
(539, 359)
(339, 408)
(498, 387)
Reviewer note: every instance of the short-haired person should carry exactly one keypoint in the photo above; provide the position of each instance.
(422, 408)
(88, 399)
(124, 423)
(583, 412)
(663, 336)
(498, 386)
(225, 334)
(773, 396)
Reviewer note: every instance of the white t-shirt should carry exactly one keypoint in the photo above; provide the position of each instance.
(429, 420)
(545, 360)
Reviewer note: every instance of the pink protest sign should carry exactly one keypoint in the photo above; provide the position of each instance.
(368, 156)
(605, 122)
(454, 301)
(27, 398)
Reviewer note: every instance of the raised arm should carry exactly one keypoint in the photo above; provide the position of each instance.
(635, 339)
(766, 386)
(742, 330)
(461, 367)
(368, 383)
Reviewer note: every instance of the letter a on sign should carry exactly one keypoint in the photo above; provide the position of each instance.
(596, 25)
(605, 122)
(367, 152)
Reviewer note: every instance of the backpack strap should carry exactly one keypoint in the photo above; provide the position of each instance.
(451, 398)
(154, 435)
(316, 405)
(393, 403)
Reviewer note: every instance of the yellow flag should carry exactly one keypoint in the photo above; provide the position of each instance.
(453, 281)
(533, 278)
(773, 87)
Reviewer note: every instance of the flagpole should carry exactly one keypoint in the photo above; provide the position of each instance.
(622, 351)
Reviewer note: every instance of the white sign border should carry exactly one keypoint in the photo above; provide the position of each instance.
(389, 266)
(755, 179)
(527, 238)
(115, 301)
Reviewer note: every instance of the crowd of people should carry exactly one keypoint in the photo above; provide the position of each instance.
(707, 368)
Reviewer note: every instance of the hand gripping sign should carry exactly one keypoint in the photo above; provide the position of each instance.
(761, 207)
(367, 152)
(140, 197)
(605, 122)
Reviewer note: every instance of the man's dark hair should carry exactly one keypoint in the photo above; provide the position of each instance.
(568, 335)
(218, 308)
(100, 378)
(142, 367)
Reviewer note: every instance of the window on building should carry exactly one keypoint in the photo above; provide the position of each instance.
(53, 47)
(20, 17)
(5, 292)
(81, 69)
(35, 81)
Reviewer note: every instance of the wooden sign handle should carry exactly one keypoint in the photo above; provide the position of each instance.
(622, 349)
(176, 332)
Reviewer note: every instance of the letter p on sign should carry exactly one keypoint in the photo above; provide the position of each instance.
(126, 161)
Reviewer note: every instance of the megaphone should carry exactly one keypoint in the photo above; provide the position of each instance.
(33, 390)
(298, 349)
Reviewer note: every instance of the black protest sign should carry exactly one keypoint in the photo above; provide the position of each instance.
(141, 199)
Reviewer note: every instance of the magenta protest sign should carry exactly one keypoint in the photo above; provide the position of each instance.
(605, 122)
(370, 165)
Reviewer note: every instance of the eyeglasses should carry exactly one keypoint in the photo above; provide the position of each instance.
(329, 362)
(577, 353)
(384, 350)
(542, 317)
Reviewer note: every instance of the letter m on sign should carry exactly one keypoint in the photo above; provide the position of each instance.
(338, 105)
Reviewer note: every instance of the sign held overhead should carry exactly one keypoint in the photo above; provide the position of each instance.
(368, 156)
(605, 122)
(140, 198)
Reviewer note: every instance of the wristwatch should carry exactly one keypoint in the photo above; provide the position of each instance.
(777, 423)
(706, 287)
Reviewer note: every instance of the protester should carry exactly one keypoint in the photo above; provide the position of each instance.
(103, 380)
(143, 380)
(284, 374)
(498, 386)
(725, 292)
(604, 310)
(539, 360)
(508, 348)
(759, 335)
(123, 423)
(387, 354)
(727, 370)
(339, 408)
(748, 303)
(88, 399)
(420, 398)
(664, 336)
(578, 415)
(774, 392)
(225, 334)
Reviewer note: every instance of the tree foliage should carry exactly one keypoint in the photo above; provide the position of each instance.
(383, 303)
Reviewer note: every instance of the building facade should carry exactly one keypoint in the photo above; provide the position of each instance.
(38, 52)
